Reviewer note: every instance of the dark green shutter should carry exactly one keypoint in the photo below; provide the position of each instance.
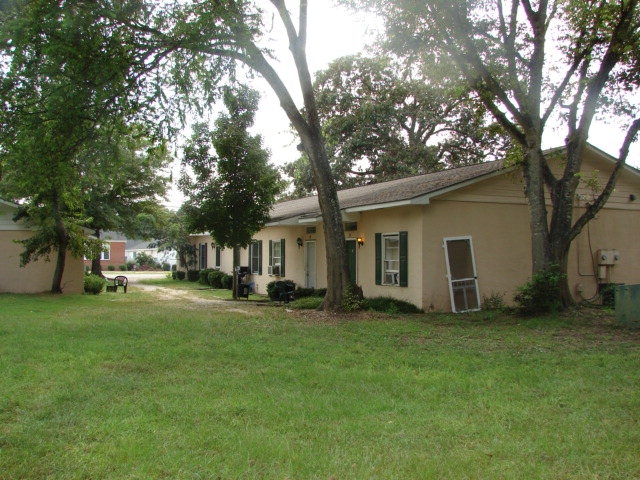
(259, 247)
(282, 257)
(378, 259)
(250, 251)
(404, 262)
(270, 253)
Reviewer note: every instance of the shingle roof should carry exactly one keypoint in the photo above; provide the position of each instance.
(391, 192)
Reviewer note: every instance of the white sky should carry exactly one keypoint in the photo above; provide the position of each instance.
(335, 32)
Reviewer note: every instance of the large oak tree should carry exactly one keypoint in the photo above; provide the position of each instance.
(201, 42)
(534, 63)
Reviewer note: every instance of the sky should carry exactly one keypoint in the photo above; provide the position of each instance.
(334, 32)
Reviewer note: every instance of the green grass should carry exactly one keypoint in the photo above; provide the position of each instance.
(136, 387)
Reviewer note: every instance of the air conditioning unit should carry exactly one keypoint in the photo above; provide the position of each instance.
(274, 270)
(608, 256)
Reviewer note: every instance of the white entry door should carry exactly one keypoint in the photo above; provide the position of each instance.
(461, 272)
(310, 264)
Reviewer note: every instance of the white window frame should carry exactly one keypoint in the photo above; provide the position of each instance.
(255, 257)
(390, 276)
(276, 260)
(106, 253)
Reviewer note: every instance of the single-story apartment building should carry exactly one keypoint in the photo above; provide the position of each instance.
(444, 240)
(36, 277)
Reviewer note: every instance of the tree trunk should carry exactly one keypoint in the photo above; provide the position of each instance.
(62, 244)
(236, 265)
(336, 249)
(538, 222)
(96, 266)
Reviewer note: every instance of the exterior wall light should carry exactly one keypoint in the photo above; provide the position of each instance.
(360, 241)
(299, 242)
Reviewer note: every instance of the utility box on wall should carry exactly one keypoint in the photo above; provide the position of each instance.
(628, 305)
(608, 256)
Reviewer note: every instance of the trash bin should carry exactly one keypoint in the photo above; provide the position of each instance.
(243, 290)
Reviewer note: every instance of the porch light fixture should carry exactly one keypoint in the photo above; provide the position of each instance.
(360, 241)
(299, 242)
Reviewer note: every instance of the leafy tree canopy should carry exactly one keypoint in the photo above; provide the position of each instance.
(531, 64)
(230, 192)
(384, 120)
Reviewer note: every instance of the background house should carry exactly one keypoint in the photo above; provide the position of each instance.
(133, 248)
(113, 254)
(35, 277)
(445, 240)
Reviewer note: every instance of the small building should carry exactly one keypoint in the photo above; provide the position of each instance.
(36, 277)
(444, 241)
(113, 254)
(134, 248)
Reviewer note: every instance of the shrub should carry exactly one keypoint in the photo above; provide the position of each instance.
(146, 260)
(272, 291)
(180, 274)
(193, 275)
(320, 292)
(131, 265)
(215, 278)
(227, 281)
(122, 268)
(111, 268)
(174, 275)
(203, 276)
(390, 305)
(541, 294)
(302, 292)
(353, 299)
(166, 267)
(495, 301)
(94, 284)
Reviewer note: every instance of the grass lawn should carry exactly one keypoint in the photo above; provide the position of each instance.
(137, 386)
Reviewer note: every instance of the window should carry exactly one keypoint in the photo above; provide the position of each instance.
(255, 257)
(218, 255)
(203, 256)
(106, 254)
(391, 259)
(276, 257)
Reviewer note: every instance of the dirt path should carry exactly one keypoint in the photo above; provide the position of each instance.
(192, 300)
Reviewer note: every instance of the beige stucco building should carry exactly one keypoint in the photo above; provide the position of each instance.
(35, 277)
(445, 240)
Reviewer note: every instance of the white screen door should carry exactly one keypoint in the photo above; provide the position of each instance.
(310, 264)
(461, 272)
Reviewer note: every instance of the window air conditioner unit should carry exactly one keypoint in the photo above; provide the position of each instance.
(274, 270)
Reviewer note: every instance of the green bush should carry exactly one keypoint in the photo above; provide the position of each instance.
(166, 267)
(495, 302)
(94, 284)
(111, 268)
(227, 281)
(180, 274)
(390, 305)
(174, 275)
(203, 276)
(541, 294)
(193, 275)
(215, 278)
(131, 265)
(302, 292)
(320, 292)
(273, 292)
(146, 260)
(122, 268)
(353, 299)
